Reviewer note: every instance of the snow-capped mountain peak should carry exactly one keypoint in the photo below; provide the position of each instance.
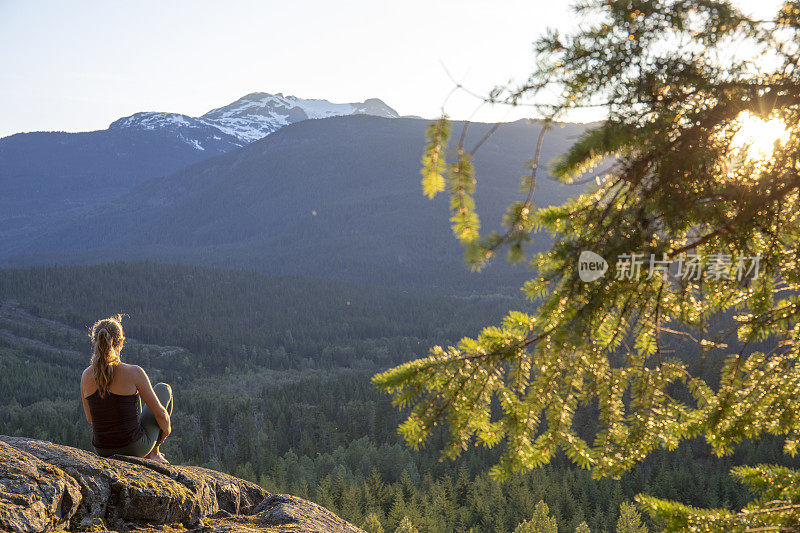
(149, 120)
(195, 132)
(258, 114)
(249, 118)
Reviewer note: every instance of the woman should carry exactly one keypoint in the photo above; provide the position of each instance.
(112, 392)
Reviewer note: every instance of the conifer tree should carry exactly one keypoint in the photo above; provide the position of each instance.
(583, 527)
(372, 524)
(540, 522)
(630, 521)
(406, 526)
(694, 210)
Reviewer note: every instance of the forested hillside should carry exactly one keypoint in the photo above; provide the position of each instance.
(271, 380)
(336, 198)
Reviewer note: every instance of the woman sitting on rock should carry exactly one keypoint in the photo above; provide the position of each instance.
(112, 392)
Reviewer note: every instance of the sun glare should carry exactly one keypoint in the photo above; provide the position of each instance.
(755, 137)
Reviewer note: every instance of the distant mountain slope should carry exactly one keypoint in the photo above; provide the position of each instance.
(336, 198)
(46, 174)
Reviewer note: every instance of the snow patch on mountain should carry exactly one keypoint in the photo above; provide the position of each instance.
(258, 114)
(195, 143)
(249, 118)
(149, 120)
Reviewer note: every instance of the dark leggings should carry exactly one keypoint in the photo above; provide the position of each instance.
(152, 431)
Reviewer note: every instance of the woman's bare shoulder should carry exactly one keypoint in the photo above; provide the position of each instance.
(131, 372)
(87, 381)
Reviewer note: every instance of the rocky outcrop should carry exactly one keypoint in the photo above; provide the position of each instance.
(34, 495)
(45, 486)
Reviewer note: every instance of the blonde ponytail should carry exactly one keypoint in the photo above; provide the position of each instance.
(107, 337)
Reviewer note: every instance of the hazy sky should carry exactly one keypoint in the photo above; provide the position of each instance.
(77, 66)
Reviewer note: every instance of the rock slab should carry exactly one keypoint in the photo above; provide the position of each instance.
(34, 495)
(46, 486)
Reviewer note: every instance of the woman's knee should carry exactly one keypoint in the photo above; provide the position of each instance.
(164, 393)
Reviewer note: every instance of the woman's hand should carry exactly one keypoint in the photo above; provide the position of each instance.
(166, 426)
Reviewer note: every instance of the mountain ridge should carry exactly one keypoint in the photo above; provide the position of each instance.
(335, 198)
(254, 116)
(46, 175)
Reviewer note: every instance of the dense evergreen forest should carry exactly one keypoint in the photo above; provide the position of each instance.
(271, 381)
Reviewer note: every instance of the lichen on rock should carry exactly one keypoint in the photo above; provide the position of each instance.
(34, 495)
(46, 486)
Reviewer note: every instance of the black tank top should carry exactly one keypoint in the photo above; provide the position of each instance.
(115, 419)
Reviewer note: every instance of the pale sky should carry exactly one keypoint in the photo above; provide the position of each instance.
(78, 66)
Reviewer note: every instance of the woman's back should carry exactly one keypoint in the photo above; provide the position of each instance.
(115, 416)
(115, 419)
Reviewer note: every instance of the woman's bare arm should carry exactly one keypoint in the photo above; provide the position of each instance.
(83, 398)
(149, 397)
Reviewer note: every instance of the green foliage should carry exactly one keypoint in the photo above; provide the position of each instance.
(434, 158)
(461, 186)
(777, 506)
(595, 146)
(458, 177)
(460, 183)
(583, 527)
(406, 526)
(630, 521)
(678, 189)
(372, 524)
(540, 522)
